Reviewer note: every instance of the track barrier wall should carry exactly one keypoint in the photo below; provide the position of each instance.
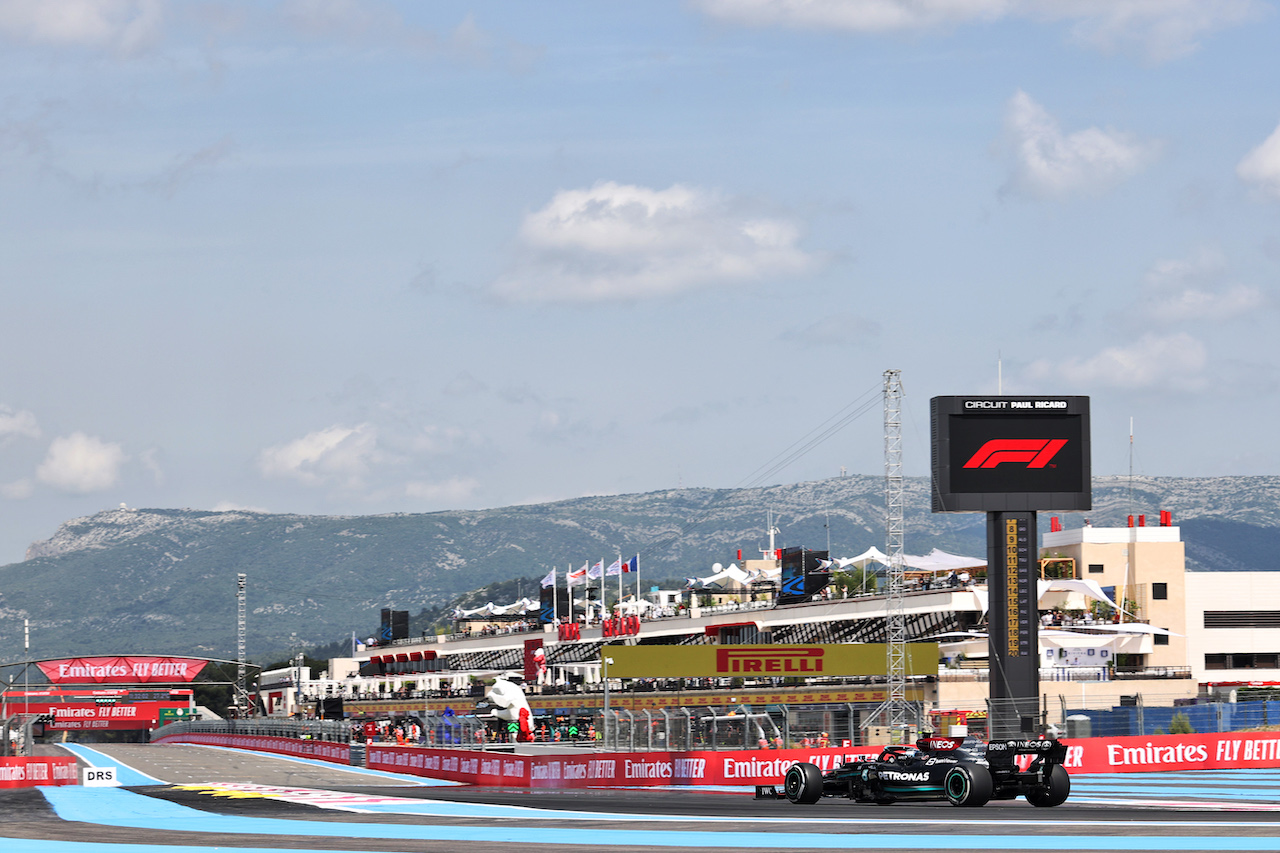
(1218, 751)
(30, 772)
(338, 753)
(637, 769)
(1228, 750)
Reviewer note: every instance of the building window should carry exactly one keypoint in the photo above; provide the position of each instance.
(1161, 639)
(1248, 660)
(1095, 568)
(1242, 618)
(1160, 591)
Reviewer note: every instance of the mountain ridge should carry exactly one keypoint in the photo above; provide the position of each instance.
(163, 580)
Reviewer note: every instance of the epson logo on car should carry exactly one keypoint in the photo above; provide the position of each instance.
(1020, 746)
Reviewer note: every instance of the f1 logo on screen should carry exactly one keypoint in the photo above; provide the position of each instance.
(1036, 452)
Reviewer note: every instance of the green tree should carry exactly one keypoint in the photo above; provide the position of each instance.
(853, 582)
(1180, 724)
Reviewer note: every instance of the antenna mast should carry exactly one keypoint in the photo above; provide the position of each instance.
(1131, 465)
(772, 553)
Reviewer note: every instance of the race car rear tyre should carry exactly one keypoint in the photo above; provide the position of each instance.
(968, 785)
(1056, 790)
(803, 784)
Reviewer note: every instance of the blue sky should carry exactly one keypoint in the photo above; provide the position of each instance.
(361, 257)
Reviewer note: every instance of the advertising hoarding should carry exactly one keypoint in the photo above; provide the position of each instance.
(803, 575)
(122, 670)
(847, 659)
(112, 717)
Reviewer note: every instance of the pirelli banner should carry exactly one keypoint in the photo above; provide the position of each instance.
(763, 661)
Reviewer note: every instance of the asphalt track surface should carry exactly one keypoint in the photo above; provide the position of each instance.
(178, 799)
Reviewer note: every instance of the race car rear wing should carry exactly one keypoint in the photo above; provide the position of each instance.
(1004, 753)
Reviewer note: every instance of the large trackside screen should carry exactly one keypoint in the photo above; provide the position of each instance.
(997, 454)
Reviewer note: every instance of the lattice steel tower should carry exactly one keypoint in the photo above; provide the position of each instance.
(898, 712)
(241, 691)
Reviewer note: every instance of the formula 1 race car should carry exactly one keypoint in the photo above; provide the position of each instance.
(963, 771)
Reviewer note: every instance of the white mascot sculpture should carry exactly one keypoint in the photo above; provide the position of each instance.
(510, 704)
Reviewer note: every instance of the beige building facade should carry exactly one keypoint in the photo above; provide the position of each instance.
(1234, 630)
(1144, 568)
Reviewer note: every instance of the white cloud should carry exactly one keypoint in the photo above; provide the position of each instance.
(124, 26)
(229, 506)
(344, 18)
(451, 491)
(1049, 163)
(17, 490)
(1191, 289)
(81, 463)
(376, 22)
(866, 16)
(186, 167)
(336, 454)
(1160, 29)
(1174, 361)
(17, 424)
(1262, 165)
(434, 440)
(150, 460)
(617, 241)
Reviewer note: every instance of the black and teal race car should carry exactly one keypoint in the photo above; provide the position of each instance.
(963, 771)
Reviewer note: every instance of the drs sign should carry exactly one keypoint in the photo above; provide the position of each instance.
(1010, 454)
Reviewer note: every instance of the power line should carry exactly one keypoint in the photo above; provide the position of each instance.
(847, 414)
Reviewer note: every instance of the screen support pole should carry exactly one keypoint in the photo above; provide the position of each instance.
(1014, 624)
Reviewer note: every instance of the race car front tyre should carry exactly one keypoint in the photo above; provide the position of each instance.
(803, 784)
(968, 785)
(1055, 791)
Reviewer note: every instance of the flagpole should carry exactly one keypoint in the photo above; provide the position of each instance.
(555, 595)
(620, 573)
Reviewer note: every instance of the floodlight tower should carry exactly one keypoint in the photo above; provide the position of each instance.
(895, 607)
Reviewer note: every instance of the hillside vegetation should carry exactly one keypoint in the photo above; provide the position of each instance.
(164, 580)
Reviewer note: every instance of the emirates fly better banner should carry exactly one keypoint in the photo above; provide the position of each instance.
(122, 670)
(82, 715)
(763, 661)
